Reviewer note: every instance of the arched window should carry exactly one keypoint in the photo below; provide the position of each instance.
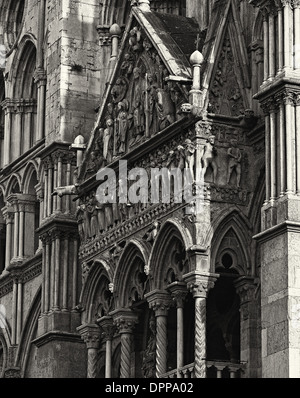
(25, 100)
(11, 18)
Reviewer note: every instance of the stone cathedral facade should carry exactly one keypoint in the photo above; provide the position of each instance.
(150, 289)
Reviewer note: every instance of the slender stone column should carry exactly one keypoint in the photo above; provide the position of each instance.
(288, 34)
(290, 140)
(282, 150)
(18, 131)
(50, 188)
(200, 284)
(160, 302)
(19, 310)
(125, 320)
(266, 46)
(8, 216)
(47, 276)
(268, 156)
(179, 292)
(21, 230)
(280, 39)
(91, 334)
(7, 133)
(75, 272)
(14, 313)
(65, 257)
(16, 231)
(57, 273)
(273, 150)
(271, 45)
(298, 141)
(107, 326)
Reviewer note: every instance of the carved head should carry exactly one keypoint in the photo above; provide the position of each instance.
(136, 72)
(211, 139)
(233, 142)
(109, 122)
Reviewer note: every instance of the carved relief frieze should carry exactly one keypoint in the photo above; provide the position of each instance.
(140, 104)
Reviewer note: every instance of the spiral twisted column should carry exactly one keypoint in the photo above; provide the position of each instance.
(107, 326)
(91, 335)
(160, 302)
(200, 284)
(125, 321)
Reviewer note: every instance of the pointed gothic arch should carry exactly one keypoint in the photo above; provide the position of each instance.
(95, 276)
(13, 185)
(29, 333)
(172, 236)
(235, 226)
(130, 281)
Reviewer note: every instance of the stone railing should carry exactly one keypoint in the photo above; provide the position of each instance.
(215, 369)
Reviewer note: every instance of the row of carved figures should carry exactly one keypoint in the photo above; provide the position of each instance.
(95, 218)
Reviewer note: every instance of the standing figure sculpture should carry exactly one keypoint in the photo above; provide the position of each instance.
(234, 163)
(208, 158)
(107, 140)
(122, 127)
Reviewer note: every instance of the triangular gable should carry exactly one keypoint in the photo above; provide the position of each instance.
(139, 101)
(226, 78)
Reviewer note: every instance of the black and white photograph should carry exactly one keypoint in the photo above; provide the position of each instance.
(150, 192)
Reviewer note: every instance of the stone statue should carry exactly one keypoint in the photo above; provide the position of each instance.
(208, 158)
(107, 140)
(151, 235)
(234, 162)
(122, 127)
(138, 108)
(189, 154)
(165, 109)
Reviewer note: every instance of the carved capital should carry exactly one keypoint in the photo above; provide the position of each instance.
(199, 284)
(203, 129)
(246, 288)
(160, 302)
(179, 292)
(91, 335)
(107, 326)
(125, 321)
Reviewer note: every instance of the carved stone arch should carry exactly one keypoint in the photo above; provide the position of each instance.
(30, 168)
(114, 11)
(257, 31)
(233, 240)
(26, 348)
(14, 185)
(23, 72)
(131, 281)
(171, 233)
(226, 79)
(94, 275)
